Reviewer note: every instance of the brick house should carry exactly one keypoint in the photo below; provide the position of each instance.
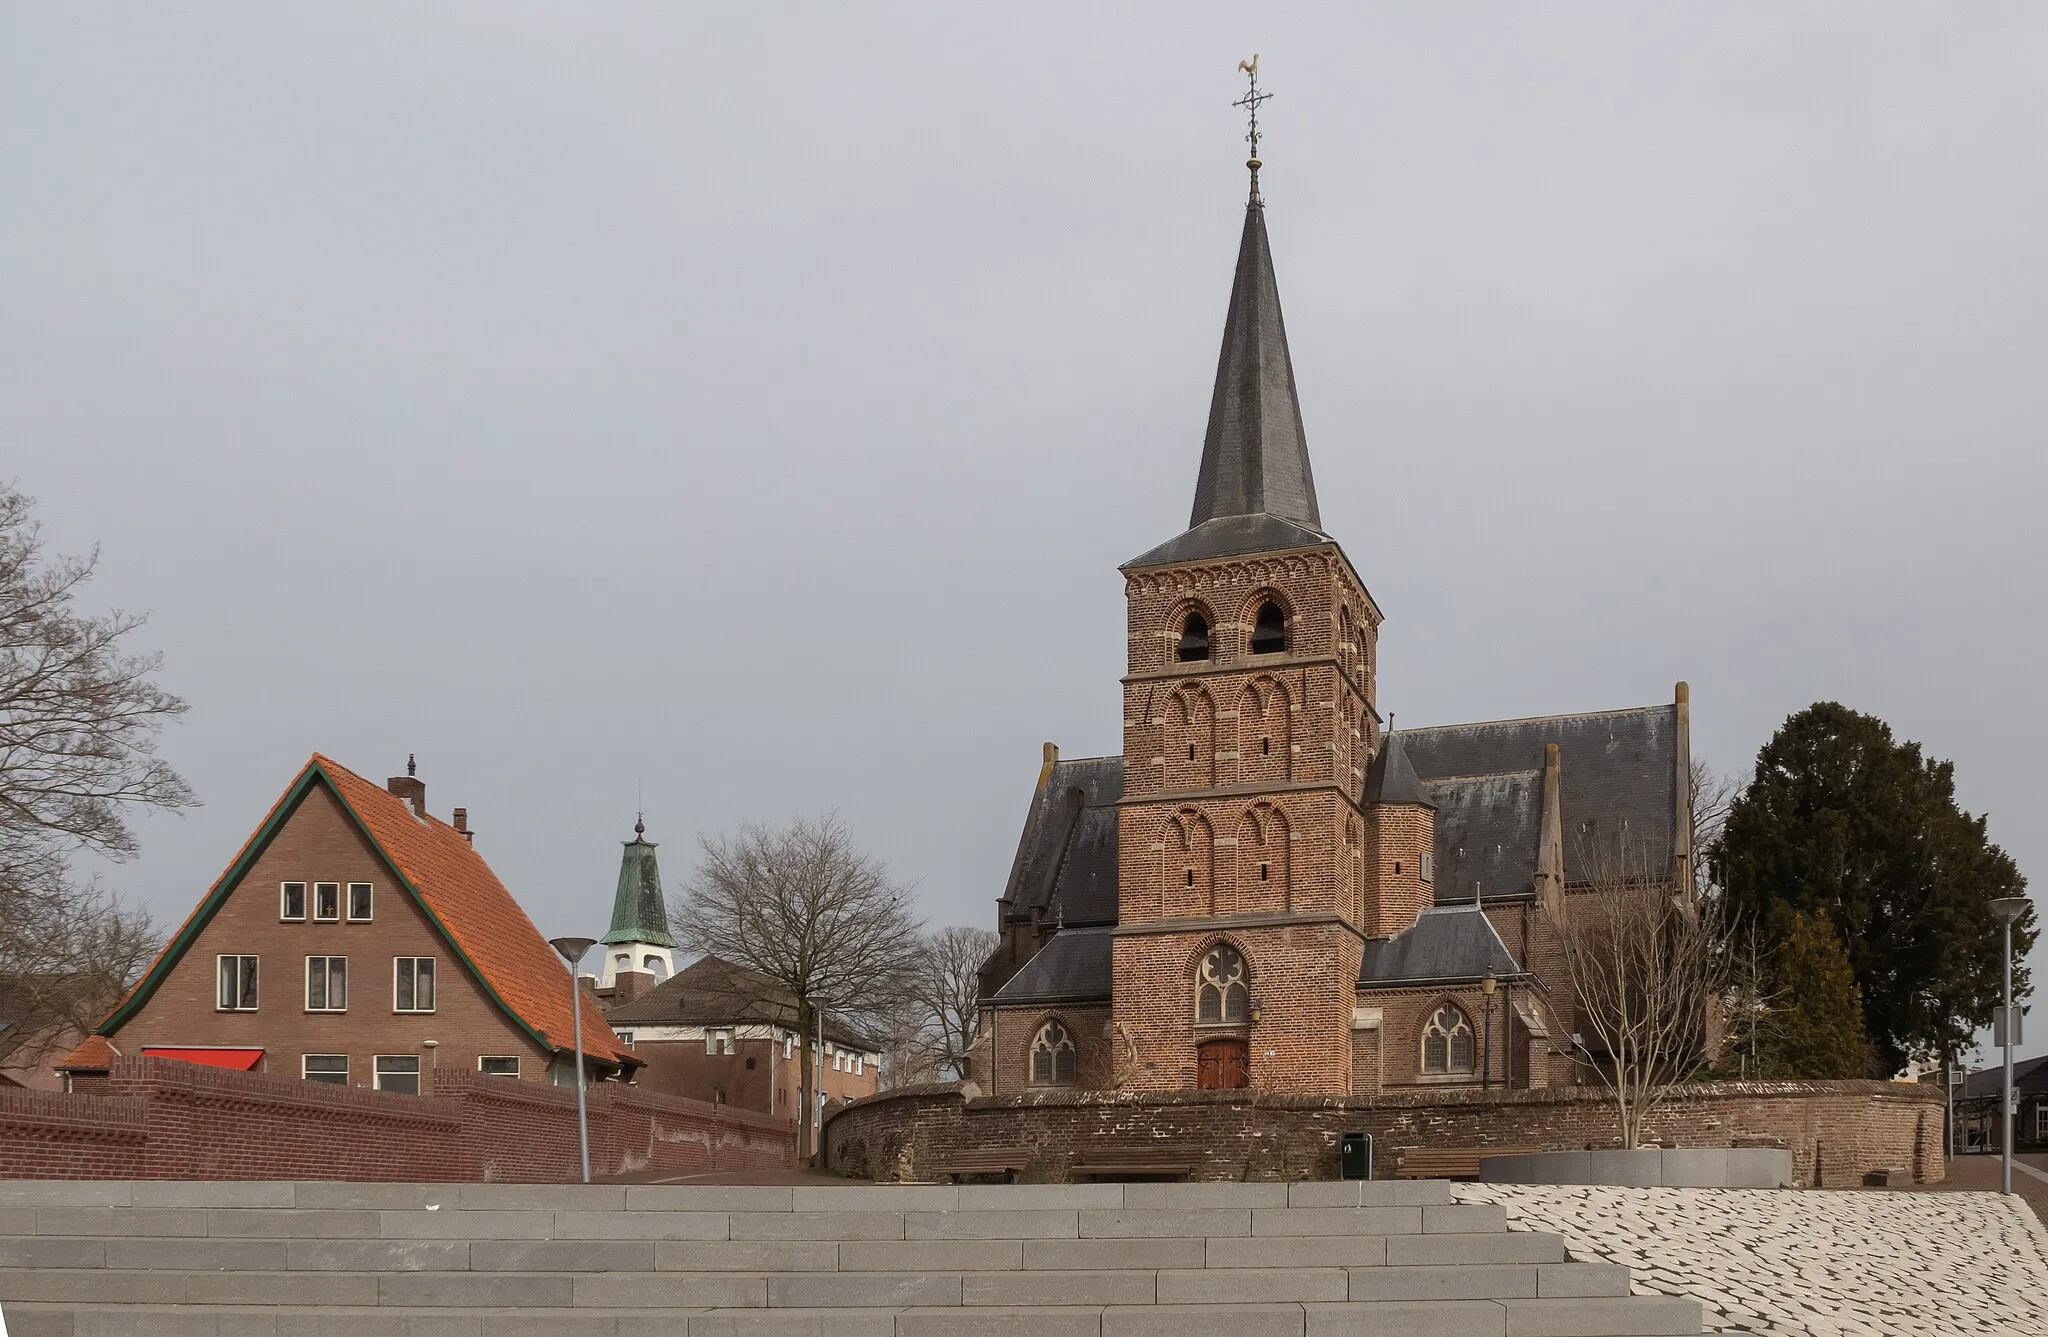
(1268, 888)
(357, 940)
(719, 1032)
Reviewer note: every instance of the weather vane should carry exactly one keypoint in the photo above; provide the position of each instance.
(1250, 102)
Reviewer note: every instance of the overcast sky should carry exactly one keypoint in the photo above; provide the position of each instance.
(743, 411)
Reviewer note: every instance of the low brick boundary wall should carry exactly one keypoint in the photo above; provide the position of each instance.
(154, 1118)
(1837, 1132)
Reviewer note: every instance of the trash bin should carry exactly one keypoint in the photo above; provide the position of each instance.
(1354, 1156)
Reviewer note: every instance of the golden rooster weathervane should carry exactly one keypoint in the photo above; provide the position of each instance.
(1250, 102)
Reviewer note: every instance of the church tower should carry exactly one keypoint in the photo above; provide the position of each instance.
(638, 939)
(1248, 730)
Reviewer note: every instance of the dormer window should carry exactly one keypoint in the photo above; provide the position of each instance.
(1194, 639)
(1269, 633)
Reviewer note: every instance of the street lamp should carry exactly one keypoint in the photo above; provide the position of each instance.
(1487, 986)
(2007, 908)
(574, 950)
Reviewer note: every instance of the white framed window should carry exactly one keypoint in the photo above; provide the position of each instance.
(788, 1047)
(398, 1072)
(327, 984)
(1447, 1042)
(412, 984)
(326, 901)
(2041, 1121)
(359, 902)
(625, 1038)
(838, 1061)
(291, 901)
(329, 1068)
(858, 1064)
(498, 1067)
(718, 1042)
(237, 984)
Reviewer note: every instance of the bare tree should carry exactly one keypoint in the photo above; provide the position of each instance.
(1712, 793)
(1648, 967)
(79, 719)
(945, 991)
(819, 921)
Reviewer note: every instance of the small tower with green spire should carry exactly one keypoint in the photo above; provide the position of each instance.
(639, 938)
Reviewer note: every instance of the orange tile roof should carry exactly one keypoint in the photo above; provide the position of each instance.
(478, 912)
(94, 1055)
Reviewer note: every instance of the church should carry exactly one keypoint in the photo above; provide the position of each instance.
(1268, 889)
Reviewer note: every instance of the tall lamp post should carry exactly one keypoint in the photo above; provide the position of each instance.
(1486, 987)
(2007, 908)
(574, 950)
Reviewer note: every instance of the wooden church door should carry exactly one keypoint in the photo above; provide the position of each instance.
(1222, 1065)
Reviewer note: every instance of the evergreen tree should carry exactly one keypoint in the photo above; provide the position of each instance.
(1816, 1027)
(1844, 820)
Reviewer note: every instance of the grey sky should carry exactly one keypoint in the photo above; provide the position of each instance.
(753, 403)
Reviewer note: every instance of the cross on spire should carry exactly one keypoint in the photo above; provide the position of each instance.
(1250, 102)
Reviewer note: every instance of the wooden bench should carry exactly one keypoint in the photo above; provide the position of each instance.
(1168, 1161)
(1005, 1161)
(1448, 1162)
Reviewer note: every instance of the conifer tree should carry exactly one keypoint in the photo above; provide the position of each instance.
(1844, 820)
(1816, 1028)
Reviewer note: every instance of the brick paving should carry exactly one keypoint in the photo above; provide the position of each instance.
(1810, 1262)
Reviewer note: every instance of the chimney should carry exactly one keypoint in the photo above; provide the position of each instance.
(630, 984)
(462, 825)
(410, 787)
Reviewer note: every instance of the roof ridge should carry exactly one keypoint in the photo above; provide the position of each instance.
(1537, 719)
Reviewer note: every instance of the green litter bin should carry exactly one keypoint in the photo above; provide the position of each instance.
(1354, 1156)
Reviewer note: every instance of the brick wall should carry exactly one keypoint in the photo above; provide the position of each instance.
(1837, 1131)
(162, 1119)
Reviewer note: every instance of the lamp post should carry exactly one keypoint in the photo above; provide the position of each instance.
(2007, 908)
(1486, 987)
(574, 950)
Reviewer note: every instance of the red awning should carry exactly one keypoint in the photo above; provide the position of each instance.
(241, 1060)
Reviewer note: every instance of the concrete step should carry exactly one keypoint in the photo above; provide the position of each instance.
(818, 1289)
(1638, 1317)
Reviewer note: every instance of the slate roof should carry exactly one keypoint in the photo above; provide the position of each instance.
(1391, 778)
(711, 991)
(2029, 1076)
(435, 863)
(1072, 967)
(1619, 778)
(1255, 491)
(1066, 862)
(1449, 944)
(639, 911)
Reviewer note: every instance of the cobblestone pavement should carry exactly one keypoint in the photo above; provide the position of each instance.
(1809, 1262)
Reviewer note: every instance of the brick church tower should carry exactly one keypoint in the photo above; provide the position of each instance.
(1249, 724)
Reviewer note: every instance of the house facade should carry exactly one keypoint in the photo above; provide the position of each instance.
(719, 1032)
(1268, 887)
(358, 940)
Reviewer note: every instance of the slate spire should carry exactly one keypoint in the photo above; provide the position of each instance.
(1254, 456)
(639, 914)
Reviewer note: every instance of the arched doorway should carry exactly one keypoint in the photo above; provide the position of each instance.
(1222, 1065)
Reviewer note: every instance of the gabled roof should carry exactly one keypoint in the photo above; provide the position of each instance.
(1066, 862)
(2028, 1075)
(435, 865)
(639, 913)
(1619, 777)
(711, 991)
(1073, 967)
(1255, 491)
(1449, 944)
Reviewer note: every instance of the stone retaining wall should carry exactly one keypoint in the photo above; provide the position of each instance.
(1837, 1132)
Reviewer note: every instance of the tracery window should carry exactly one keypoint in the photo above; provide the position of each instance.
(1222, 993)
(1447, 1042)
(1052, 1056)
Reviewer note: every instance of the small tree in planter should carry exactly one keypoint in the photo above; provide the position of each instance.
(1649, 962)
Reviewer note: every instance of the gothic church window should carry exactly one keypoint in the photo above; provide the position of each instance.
(1222, 996)
(1269, 633)
(1052, 1056)
(1194, 639)
(1447, 1042)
